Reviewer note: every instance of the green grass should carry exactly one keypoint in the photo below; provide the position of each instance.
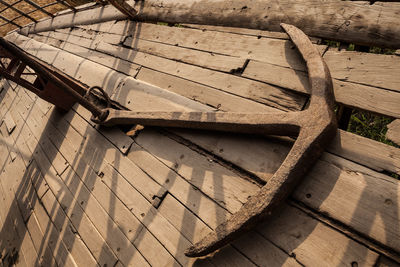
(371, 126)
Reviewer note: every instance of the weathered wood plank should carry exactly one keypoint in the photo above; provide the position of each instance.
(347, 21)
(137, 204)
(145, 163)
(206, 95)
(94, 15)
(94, 241)
(241, 31)
(365, 68)
(9, 122)
(365, 97)
(244, 31)
(304, 241)
(222, 185)
(274, 51)
(255, 247)
(371, 153)
(65, 229)
(128, 224)
(124, 89)
(11, 217)
(196, 57)
(393, 132)
(20, 201)
(252, 155)
(120, 213)
(111, 62)
(259, 92)
(372, 208)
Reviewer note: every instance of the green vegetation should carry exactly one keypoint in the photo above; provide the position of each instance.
(370, 125)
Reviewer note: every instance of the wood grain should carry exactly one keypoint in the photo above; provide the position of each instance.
(393, 132)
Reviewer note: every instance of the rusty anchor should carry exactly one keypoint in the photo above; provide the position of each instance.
(315, 127)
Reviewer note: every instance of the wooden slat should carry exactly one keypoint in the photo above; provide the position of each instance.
(254, 246)
(239, 31)
(120, 213)
(90, 180)
(393, 132)
(206, 95)
(365, 97)
(259, 92)
(306, 242)
(352, 23)
(183, 168)
(96, 244)
(12, 224)
(126, 90)
(110, 179)
(64, 227)
(9, 122)
(365, 68)
(80, 50)
(20, 200)
(274, 51)
(251, 155)
(196, 57)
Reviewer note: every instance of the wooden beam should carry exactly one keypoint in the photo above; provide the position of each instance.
(353, 22)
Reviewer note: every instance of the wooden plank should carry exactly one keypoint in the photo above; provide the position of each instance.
(306, 242)
(123, 217)
(93, 15)
(75, 66)
(13, 228)
(126, 90)
(220, 184)
(258, 250)
(280, 52)
(355, 95)
(168, 177)
(94, 241)
(64, 230)
(9, 122)
(365, 68)
(111, 62)
(262, 93)
(206, 95)
(393, 132)
(19, 200)
(259, 92)
(96, 36)
(123, 248)
(367, 152)
(352, 24)
(241, 31)
(112, 179)
(244, 31)
(196, 57)
(52, 236)
(252, 157)
(386, 262)
(63, 227)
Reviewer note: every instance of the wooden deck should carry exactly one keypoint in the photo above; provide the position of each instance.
(76, 194)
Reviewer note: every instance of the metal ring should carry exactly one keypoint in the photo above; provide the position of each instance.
(108, 100)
